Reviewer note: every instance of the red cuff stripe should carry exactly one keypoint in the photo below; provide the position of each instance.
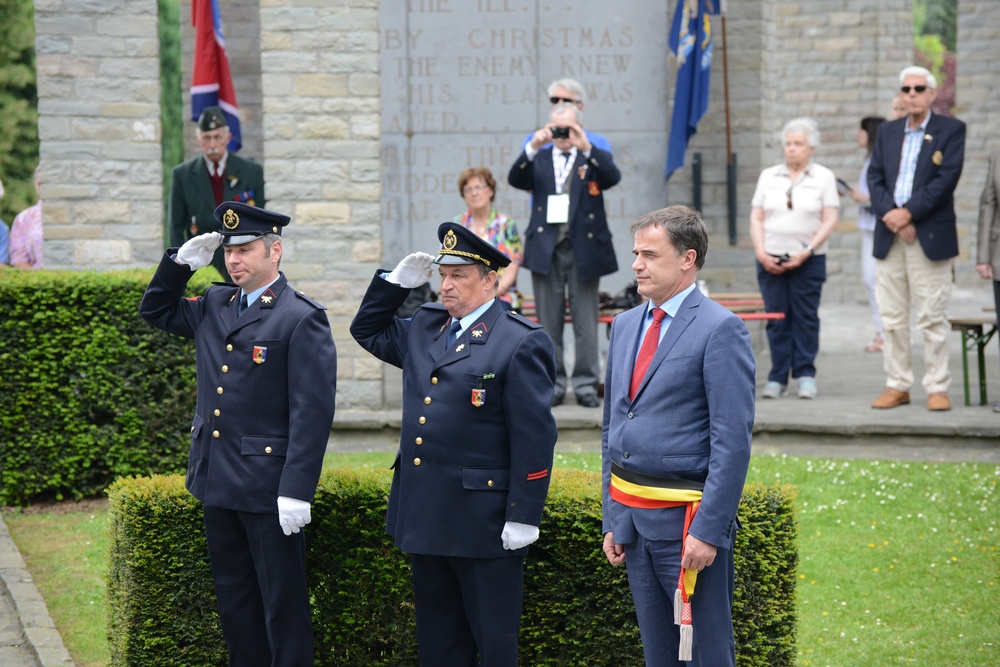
(541, 474)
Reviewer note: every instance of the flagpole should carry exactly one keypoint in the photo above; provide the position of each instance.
(730, 157)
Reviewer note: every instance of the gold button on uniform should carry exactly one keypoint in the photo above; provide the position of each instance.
(267, 450)
(434, 380)
(218, 412)
(225, 369)
(490, 483)
(419, 441)
(219, 390)
(215, 434)
(229, 348)
(422, 420)
(416, 462)
(427, 400)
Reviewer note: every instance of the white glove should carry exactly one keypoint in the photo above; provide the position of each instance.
(413, 271)
(197, 252)
(293, 514)
(517, 535)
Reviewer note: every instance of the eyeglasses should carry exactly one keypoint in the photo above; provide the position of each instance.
(472, 189)
(917, 89)
(557, 100)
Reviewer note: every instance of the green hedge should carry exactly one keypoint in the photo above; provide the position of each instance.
(83, 379)
(577, 609)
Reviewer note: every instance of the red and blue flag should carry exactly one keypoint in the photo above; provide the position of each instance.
(211, 82)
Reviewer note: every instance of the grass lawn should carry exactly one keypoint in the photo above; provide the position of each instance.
(899, 560)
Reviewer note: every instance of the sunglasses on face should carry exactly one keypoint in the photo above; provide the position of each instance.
(557, 100)
(917, 89)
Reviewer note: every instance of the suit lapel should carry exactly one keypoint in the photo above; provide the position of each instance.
(685, 316)
(202, 184)
(477, 334)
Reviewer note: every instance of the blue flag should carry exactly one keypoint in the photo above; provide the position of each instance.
(691, 43)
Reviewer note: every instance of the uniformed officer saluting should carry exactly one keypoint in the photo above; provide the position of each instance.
(267, 369)
(475, 451)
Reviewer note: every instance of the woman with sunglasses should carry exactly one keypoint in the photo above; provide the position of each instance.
(478, 188)
(793, 213)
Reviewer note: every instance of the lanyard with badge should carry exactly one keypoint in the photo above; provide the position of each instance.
(557, 211)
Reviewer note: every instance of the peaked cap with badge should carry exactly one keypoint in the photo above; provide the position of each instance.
(212, 118)
(463, 246)
(243, 223)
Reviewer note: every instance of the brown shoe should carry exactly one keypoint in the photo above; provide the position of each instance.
(891, 398)
(938, 402)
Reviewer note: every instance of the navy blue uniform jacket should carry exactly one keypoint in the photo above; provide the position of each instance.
(588, 222)
(932, 202)
(461, 470)
(260, 429)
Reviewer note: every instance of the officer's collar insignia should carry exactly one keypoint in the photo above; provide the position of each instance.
(479, 330)
(231, 219)
(233, 297)
(267, 298)
(460, 347)
(450, 240)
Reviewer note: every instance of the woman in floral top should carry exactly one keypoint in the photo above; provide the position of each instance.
(478, 189)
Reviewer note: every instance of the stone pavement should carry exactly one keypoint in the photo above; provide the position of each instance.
(839, 424)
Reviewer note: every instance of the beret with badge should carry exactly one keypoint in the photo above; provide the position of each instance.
(243, 223)
(211, 118)
(463, 246)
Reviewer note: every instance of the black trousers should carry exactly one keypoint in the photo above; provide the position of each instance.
(467, 607)
(260, 589)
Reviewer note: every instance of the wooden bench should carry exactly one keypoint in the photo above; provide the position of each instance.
(976, 333)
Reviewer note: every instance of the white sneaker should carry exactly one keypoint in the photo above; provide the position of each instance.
(774, 390)
(807, 388)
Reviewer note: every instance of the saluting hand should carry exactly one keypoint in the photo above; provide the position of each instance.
(413, 270)
(197, 252)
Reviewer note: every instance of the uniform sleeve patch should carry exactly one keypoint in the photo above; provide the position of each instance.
(541, 474)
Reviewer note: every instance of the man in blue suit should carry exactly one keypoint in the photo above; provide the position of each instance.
(567, 242)
(678, 414)
(267, 379)
(475, 449)
(915, 166)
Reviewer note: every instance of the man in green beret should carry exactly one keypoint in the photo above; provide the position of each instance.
(202, 183)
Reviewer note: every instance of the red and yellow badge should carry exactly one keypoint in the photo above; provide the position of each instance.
(937, 158)
(259, 354)
(478, 397)
(593, 189)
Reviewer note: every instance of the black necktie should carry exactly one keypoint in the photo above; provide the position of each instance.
(243, 305)
(566, 157)
(456, 326)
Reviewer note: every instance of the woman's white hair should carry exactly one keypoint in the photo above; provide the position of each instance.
(914, 70)
(806, 126)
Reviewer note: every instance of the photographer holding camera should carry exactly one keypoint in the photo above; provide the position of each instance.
(567, 243)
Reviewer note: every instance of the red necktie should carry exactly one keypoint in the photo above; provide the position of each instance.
(646, 352)
(215, 177)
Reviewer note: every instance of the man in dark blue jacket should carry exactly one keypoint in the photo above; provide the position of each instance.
(267, 369)
(567, 243)
(915, 167)
(475, 450)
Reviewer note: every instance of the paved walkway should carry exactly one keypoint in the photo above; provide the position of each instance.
(840, 423)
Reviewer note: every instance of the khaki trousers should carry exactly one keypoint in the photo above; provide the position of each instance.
(904, 278)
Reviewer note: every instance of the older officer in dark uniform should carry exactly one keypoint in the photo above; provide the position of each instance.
(199, 185)
(267, 369)
(476, 447)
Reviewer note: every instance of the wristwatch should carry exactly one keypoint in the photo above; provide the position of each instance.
(810, 249)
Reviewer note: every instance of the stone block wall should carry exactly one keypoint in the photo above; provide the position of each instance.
(320, 77)
(99, 131)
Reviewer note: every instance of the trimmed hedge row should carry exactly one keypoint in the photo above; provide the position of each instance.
(577, 608)
(83, 379)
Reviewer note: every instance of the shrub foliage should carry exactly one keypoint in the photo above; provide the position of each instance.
(88, 390)
(577, 608)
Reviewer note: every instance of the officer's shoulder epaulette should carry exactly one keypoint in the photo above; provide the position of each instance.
(521, 319)
(431, 305)
(312, 302)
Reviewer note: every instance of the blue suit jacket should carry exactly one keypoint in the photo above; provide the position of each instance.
(931, 203)
(263, 417)
(462, 470)
(588, 222)
(691, 418)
